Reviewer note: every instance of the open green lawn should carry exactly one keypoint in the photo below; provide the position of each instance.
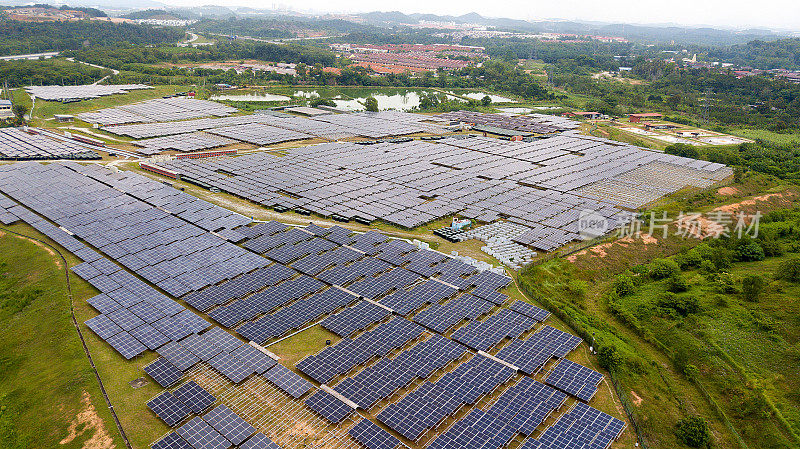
(768, 136)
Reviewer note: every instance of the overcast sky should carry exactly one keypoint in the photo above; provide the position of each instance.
(721, 13)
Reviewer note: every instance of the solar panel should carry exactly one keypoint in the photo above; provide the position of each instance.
(171, 441)
(373, 436)
(178, 355)
(163, 372)
(329, 406)
(202, 436)
(149, 336)
(102, 326)
(169, 408)
(232, 368)
(256, 359)
(103, 304)
(126, 345)
(202, 347)
(229, 424)
(530, 310)
(194, 396)
(223, 339)
(288, 381)
(259, 441)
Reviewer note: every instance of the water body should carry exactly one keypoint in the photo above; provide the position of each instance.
(495, 98)
(252, 97)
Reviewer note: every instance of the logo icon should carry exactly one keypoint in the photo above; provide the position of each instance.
(591, 224)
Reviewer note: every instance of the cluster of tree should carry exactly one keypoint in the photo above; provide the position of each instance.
(275, 28)
(33, 37)
(51, 71)
(719, 97)
(120, 55)
(782, 53)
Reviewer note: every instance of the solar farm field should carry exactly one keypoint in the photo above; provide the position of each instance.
(428, 349)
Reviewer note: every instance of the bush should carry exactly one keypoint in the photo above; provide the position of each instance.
(663, 268)
(725, 283)
(683, 150)
(624, 285)
(691, 258)
(789, 270)
(677, 283)
(708, 267)
(748, 250)
(371, 104)
(682, 304)
(609, 358)
(693, 431)
(771, 247)
(752, 286)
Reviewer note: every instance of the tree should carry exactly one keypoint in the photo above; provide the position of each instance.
(748, 250)
(663, 268)
(371, 104)
(789, 270)
(624, 285)
(19, 111)
(693, 431)
(683, 150)
(752, 286)
(609, 358)
(486, 100)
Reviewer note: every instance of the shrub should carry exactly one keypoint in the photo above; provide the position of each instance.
(677, 283)
(772, 247)
(752, 286)
(624, 285)
(708, 267)
(693, 431)
(683, 150)
(609, 358)
(789, 270)
(725, 283)
(663, 268)
(748, 250)
(682, 304)
(691, 258)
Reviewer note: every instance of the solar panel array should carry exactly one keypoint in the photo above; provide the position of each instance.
(486, 334)
(426, 406)
(382, 379)
(353, 319)
(182, 142)
(17, 144)
(535, 123)
(583, 426)
(157, 110)
(395, 353)
(259, 134)
(83, 92)
(329, 406)
(543, 185)
(575, 379)
(531, 354)
(348, 353)
(372, 436)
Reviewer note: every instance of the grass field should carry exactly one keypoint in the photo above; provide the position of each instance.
(790, 139)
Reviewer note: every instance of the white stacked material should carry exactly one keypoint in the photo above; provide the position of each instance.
(84, 92)
(500, 245)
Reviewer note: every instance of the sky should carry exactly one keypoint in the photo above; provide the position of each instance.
(784, 14)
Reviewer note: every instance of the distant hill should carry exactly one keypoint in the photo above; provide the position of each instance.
(643, 33)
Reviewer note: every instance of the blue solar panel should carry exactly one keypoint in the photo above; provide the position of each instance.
(169, 408)
(329, 407)
(163, 372)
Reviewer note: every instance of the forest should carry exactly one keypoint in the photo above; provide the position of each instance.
(31, 37)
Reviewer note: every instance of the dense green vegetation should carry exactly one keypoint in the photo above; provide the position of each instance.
(50, 71)
(31, 37)
(783, 53)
